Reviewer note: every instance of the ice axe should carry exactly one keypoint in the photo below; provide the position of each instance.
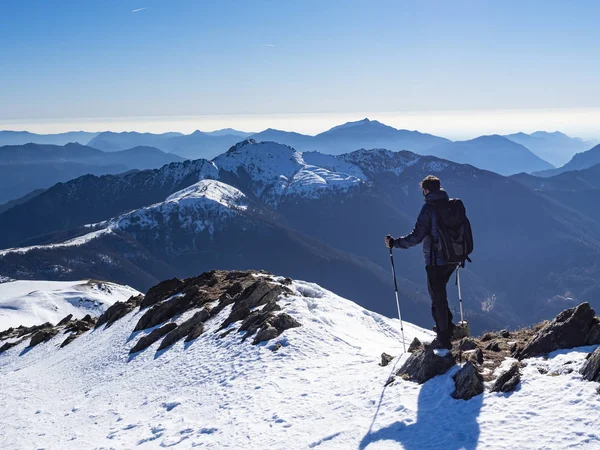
(462, 329)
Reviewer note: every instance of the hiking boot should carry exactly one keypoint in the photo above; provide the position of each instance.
(454, 335)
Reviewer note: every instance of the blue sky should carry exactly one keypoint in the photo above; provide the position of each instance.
(99, 59)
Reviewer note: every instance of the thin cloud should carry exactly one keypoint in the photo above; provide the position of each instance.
(270, 45)
(139, 9)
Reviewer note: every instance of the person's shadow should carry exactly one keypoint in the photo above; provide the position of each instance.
(443, 423)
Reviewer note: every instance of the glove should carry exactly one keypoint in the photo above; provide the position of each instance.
(389, 241)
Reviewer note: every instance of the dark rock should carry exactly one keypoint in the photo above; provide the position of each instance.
(184, 329)
(476, 356)
(79, 326)
(168, 309)
(425, 364)
(509, 380)
(415, 345)
(287, 281)
(467, 344)
(276, 347)
(118, 311)
(225, 333)
(591, 368)
(487, 337)
(573, 327)
(266, 334)
(542, 370)
(42, 336)
(151, 338)
(195, 332)
(69, 339)
(161, 291)
(65, 320)
(385, 359)
(89, 319)
(284, 321)
(9, 345)
(271, 307)
(513, 348)
(493, 346)
(30, 330)
(504, 334)
(468, 382)
(237, 314)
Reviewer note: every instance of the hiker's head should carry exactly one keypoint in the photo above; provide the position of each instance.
(430, 184)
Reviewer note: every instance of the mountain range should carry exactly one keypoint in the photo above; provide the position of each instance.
(556, 147)
(8, 137)
(580, 161)
(313, 216)
(25, 168)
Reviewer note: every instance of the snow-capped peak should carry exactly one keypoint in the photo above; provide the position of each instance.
(211, 190)
(195, 208)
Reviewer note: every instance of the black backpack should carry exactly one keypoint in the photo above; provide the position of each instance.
(454, 231)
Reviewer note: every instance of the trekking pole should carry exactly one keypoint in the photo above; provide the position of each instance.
(398, 300)
(462, 319)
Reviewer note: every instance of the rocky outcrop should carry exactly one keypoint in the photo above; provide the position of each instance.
(509, 380)
(414, 345)
(118, 311)
(161, 291)
(65, 320)
(468, 382)
(151, 338)
(185, 328)
(42, 336)
(467, 344)
(385, 359)
(425, 364)
(572, 328)
(591, 368)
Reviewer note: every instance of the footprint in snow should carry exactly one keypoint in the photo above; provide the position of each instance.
(169, 406)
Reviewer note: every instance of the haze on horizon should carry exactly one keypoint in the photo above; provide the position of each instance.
(457, 69)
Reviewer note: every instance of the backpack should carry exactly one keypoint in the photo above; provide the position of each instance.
(454, 231)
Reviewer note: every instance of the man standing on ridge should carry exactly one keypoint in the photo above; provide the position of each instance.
(445, 231)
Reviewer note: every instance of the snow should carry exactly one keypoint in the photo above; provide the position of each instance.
(277, 171)
(323, 389)
(196, 207)
(31, 303)
(80, 240)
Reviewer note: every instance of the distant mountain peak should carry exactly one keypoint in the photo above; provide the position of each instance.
(359, 123)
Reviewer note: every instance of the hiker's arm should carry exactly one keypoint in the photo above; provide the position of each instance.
(416, 236)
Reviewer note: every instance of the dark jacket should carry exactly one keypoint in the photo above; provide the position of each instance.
(426, 231)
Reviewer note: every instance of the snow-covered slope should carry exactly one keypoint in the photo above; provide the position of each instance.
(196, 208)
(31, 303)
(323, 388)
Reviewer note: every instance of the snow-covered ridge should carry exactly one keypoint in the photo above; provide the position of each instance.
(195, 208)
(79, 240)
(318, 385)
(29, 303)
(277, 171)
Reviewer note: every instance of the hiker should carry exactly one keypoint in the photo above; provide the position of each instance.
(435, 227)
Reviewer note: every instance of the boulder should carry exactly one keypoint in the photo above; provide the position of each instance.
(415, 345)
(487, 337)
(266, 333)
(195, 332)
(184, 329)
(475, 356)
(505, 334)
(283, 321)
(425, 364)
(572, 328)
(65, 320)
(118, 310)
(9, 345)
(493, 346)
(168, 309)
(467, 344)
(161, 291)
(468, 382)
(42, 336)
(70, 338)
(151, 338)
(509, 380)
(385, 359)
(591, 368)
